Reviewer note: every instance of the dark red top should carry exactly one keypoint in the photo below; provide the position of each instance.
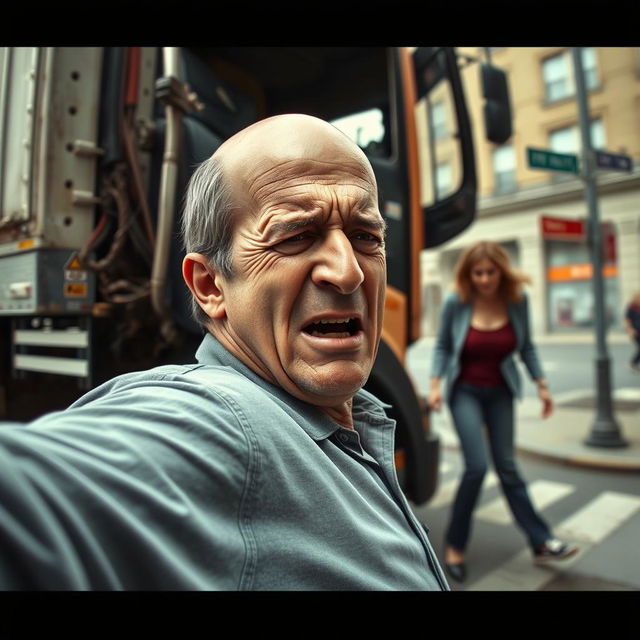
(482, 353)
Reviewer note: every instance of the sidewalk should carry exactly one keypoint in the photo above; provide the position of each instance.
(561, 437)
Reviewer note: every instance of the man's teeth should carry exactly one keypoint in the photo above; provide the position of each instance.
(331, 334)
(334, 334)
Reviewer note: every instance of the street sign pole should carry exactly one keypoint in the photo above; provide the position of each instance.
(605, 430)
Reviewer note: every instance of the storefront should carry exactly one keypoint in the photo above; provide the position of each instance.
(569, 275)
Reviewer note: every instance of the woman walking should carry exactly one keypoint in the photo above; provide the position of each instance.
(482, 324)
(632, 325)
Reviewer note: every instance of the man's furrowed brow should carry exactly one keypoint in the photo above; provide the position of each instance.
(284, 227)
(367, 203)
(297, 224)
(373, 224)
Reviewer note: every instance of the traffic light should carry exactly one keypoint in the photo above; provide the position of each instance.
(497, 108)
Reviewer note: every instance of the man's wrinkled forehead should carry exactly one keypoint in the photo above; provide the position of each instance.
(289, 147)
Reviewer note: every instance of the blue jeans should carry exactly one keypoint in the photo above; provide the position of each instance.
(472, 407)
(636, 358)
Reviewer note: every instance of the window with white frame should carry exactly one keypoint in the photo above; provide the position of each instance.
(444, 179)
(567, 139)
(590, 67)
(559, 79)
(504, 169)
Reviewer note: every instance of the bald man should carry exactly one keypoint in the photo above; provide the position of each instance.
(266, 465)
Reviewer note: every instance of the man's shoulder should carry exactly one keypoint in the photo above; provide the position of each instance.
(209, 376)
(184, 383)
(184, 400)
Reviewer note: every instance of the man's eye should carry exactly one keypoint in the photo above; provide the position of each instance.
(294, 244)
(366, 240)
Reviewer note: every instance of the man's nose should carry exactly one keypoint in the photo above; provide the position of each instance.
(337, 265)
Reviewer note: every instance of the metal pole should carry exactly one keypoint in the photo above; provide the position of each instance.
(605, 430)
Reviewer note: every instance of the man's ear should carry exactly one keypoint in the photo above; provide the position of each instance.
(205, 284)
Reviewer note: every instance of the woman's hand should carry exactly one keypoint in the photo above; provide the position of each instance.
(435, 397)
(547, 400)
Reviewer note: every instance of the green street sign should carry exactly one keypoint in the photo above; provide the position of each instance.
(552, 161)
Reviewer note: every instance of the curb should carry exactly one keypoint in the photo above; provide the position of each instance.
(571, 460)
(581, 460)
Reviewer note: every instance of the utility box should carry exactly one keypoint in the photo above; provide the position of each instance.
(45, 281)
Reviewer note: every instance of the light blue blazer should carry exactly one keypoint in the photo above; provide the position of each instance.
(455, 319)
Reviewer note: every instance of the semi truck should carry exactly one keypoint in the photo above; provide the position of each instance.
(97, 145)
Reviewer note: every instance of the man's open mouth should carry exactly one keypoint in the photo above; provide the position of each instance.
(333, 328)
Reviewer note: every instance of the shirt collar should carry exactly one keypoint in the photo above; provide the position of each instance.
(366, 407)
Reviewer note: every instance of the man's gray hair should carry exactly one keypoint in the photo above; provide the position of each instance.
(206, 222)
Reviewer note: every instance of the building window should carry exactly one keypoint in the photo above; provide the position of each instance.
(439, 120)
(590, 68)
(556, 78)
(504, 169)
(559, 79)
(444, 179)
(567, 139)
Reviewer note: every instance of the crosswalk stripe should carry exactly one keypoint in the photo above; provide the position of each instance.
(446, 492)
(588, 526)
(542, 492)
(600, 517)
(517, 574)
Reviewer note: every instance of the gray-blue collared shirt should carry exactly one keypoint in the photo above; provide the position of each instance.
(205, 476)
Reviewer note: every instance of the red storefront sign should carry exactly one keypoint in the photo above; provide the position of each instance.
(576, 231)
(563, 228)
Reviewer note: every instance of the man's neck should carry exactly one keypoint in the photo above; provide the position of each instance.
(341, 415)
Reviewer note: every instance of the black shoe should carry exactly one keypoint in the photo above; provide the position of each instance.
(457, 570)
(553, 550)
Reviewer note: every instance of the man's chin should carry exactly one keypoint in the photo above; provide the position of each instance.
(331, 387)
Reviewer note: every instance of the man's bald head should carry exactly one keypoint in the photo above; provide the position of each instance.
(272, 143)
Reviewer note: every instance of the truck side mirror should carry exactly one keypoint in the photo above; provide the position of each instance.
(445, 146)
(497, 108)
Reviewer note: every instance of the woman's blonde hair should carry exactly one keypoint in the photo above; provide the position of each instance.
(511, 282)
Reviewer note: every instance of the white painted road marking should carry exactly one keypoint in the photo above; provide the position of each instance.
(589, 526)
(542, 492)
(605, 513)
